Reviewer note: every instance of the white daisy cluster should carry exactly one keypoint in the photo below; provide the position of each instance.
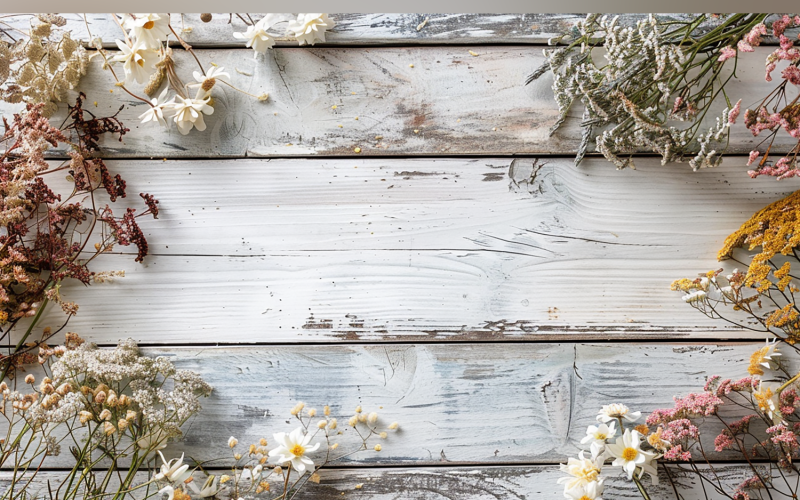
(584, 480)
(290, 463)
(307, 29)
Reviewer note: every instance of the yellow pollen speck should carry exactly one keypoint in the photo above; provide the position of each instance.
(410, 65)
(95, 104)
(352, 93)
(473, 53)
(629, 454)
(359, 486)
(416, 131)
(333, 107)
(340, 126)
(357, 150)
(356, 118)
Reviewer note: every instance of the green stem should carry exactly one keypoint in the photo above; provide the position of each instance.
(21, 342)
(639, 485)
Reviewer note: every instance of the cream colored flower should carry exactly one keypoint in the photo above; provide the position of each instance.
(155, 112)
(206, 82)
(309, 28)
(615, 411)
(138, 60)
(599, 434)
(293, 448)
(257, 36)
(150, 29)
(209, 489)
(628, 454)
(581, 470)
(174, 471)
(188, 113)
(588, 491)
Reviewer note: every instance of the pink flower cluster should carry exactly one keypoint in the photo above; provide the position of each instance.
(748, 484)
(726, 439)
(783, 169)
(782, 435)
(725, 387)
(676, 453)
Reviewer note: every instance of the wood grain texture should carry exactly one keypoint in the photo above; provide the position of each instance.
(472, 483)
(426, 249)
(449, 103)
(456, 404)
(364, 29)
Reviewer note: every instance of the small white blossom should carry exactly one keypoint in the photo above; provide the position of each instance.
(581, 470)
(150, 29)
(138, 60)
(257, 36)
(615, 411)
(588, 491)
(599, 434)
(155, 113)
(188, 113)
(628, 454)
(309, 28)
(293, 448)
(206, 82)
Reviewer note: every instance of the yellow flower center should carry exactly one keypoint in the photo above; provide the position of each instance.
(298, 450)
(762, 398)
(629, 454)
(589, 474)
(140, 62)
(600, 435)
(584, 497)
(149, 25)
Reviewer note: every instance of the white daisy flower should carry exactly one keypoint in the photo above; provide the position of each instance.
(257, 36)
(206, 82)
(628, 454)
(188, 113)
(150, 29)
(139, 61)
(156, 112)
(581, 470)
(588, 491)
(309, 28)
(616, 411)
(599, 434)
(293, 448)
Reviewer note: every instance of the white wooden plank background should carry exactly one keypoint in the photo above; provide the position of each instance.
(473, 483)
(422, 249)
(455, 403)
(363, 29)
(393, 268)
(450, 103)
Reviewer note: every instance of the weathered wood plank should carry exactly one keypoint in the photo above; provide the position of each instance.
(389, 249)
(456, 403)
(364, 29)
(471, 483)
(448, 103)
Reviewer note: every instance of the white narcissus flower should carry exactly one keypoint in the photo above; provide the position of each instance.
(599, 433)
(293, 448)
(138, 60)
(209, 489)
(206, 82)
(628, 454)
(156, 112)
(308, 28)
(188, 113)
(588, 491)
(174, 471)
(615, 411)
(257, 36)
(581, 470)
(150, 29)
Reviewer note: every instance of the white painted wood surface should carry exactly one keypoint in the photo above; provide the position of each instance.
(359, 257)
(449, 103)
(457, 404)
(473, 483)
(425, 249)
(361, 29)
